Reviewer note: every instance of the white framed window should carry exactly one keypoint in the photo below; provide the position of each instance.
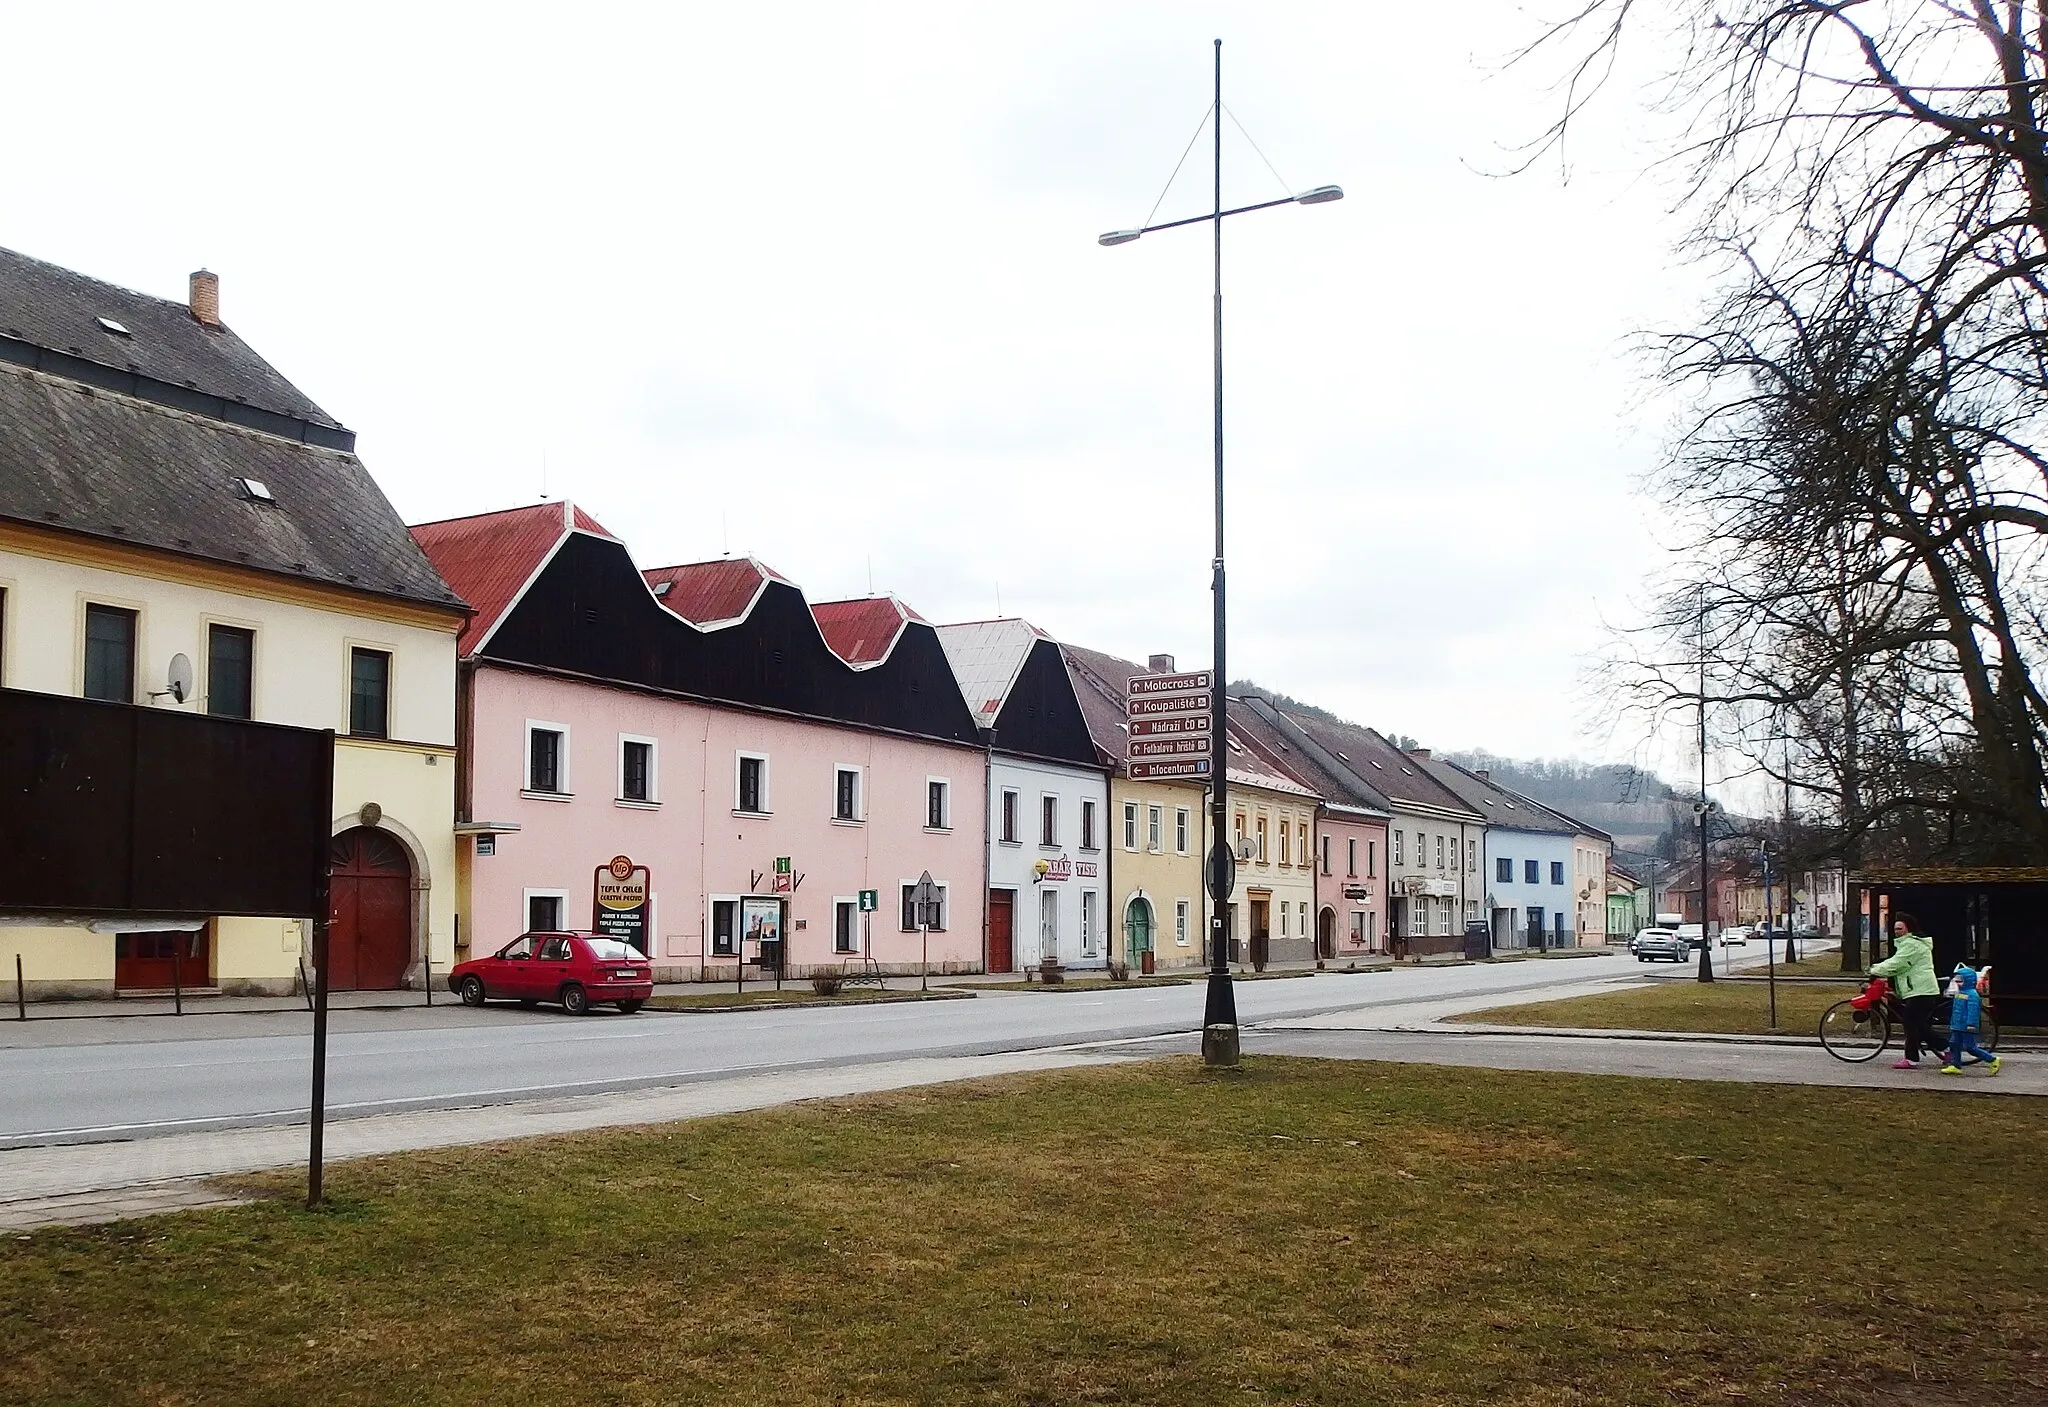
(1155, 829)
(1007, 817)
(639, 778)
(1048, 819)
(1443, 919)
(1087, 825)
(1301, 843)
(907, 916)
(1358, 928)
(846, 924)
(1439, 852)
(1471, 857)
(1301, 917)
(938, 804)
(724, 925)
(1397, 850)
(1260, 831)
(1180, 830)
(1180, 922)
(750, 794)
(1130, 825)
(1372, 859)
(547, 910)
(846, 793)
(1350, 858)
(1282, 907)
(1087, 923)
(1326, 855)
(1286, 855)
(1049, 923)
(547, 758)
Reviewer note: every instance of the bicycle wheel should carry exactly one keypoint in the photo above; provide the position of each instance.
(1846, 1038)
(1987, 1032)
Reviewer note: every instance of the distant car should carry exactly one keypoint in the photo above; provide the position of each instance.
(1653, 944)
(1693, 935)
(578, 970)
(1654, 928)
(1736, 936)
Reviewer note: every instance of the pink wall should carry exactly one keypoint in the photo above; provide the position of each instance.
(1372, 877)
(692, 841)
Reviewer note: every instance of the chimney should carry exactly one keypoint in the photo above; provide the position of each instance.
(1483, 774)
(206, 298)
(1420, 754)
(1160, 664)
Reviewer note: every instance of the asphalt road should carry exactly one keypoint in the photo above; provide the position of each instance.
(83, 1081)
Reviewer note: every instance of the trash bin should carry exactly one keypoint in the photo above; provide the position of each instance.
(1478, 939)
(1145, 962)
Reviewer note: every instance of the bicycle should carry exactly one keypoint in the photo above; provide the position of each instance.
(1859, 1028)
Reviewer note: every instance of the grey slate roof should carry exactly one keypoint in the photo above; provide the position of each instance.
(51, 307)
(85, 460)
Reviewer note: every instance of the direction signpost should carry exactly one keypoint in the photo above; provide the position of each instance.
(1170, 723)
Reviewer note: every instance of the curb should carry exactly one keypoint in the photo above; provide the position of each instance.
(947, 995)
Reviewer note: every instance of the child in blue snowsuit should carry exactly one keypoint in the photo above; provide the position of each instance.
(1965, 1016)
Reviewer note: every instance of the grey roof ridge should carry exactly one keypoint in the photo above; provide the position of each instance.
(1325, 759)
(58, 379)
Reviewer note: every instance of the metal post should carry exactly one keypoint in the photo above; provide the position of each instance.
(924, 976)
(1706, 973)
(177, 974)
(20, 992)
(1219, 1019)
(316, 1148)
(1770, 938)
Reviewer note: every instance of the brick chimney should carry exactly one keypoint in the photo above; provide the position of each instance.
(1420, 754)
(1160, 664)
(205, 300)
(1484, 774)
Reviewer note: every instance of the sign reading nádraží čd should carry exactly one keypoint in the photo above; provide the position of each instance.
(619, 902)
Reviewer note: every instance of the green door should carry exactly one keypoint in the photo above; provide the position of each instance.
(1137, 930)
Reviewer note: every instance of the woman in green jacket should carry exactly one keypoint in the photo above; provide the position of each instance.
(1911, 970)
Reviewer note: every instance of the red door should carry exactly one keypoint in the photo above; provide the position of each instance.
(1000, 905)
(369, 935)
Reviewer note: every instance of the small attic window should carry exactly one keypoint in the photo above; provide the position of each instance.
(662, 588)
(116, 328)
(255, 490)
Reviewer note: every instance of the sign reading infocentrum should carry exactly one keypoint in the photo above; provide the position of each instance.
(618, 904)
(1168, 716)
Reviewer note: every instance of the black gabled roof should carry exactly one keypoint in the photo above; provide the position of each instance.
(48, 320)
(84, 460)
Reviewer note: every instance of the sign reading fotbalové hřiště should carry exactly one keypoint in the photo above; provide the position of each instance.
(1168, 719)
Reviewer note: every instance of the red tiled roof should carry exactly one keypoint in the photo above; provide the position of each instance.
(490, 557)
(705, 593)
(863, 630)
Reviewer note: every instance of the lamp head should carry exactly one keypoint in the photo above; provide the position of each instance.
(1321, 195)
(1118, 237)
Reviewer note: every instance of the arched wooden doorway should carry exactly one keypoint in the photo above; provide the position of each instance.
(1326, 933)
(369, 935)
(1137, 930)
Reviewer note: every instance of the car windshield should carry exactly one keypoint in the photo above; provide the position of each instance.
(612, 950)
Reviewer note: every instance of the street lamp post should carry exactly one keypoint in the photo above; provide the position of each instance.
(1219, 1020)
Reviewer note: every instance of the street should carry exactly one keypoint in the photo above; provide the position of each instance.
(85, 1080)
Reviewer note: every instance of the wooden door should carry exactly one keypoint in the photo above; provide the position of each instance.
(1326, 934)
(369, 935)
(145, 962)
(1001, 918)
(1262, 933)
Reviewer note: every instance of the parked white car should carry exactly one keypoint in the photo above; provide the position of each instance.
(1736, 935)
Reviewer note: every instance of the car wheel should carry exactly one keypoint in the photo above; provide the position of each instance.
(632, 1006)
(472, 992)
(575, 1000)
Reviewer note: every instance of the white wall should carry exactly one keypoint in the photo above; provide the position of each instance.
(1517, 893)
(1011, 866)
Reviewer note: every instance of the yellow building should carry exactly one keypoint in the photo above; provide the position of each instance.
(172, 508)
(1272, 821)
(1157, 827)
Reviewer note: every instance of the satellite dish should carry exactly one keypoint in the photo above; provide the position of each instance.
(179, 684)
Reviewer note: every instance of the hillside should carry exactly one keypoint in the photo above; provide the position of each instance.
(1634, 806)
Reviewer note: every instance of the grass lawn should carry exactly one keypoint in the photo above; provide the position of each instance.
(1303, 1232)
(792, 991)
(1741, 1008)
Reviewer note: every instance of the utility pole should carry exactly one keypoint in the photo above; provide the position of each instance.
(1705, 806)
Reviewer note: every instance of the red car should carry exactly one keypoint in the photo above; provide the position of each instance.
(575, 969)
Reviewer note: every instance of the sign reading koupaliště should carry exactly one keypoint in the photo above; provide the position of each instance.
(1168, 718)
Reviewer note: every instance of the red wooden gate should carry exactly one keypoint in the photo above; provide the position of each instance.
(1000, 903)
(369, 937)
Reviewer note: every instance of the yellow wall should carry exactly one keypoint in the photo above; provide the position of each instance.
(1166, 877)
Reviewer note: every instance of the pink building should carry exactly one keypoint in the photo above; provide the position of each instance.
(768, 766)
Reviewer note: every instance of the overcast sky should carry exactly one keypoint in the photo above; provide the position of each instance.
(820, 282)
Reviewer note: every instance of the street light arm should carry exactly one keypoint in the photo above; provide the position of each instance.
(1320, 195)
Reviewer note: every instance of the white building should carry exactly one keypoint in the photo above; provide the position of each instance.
(1048, 798)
